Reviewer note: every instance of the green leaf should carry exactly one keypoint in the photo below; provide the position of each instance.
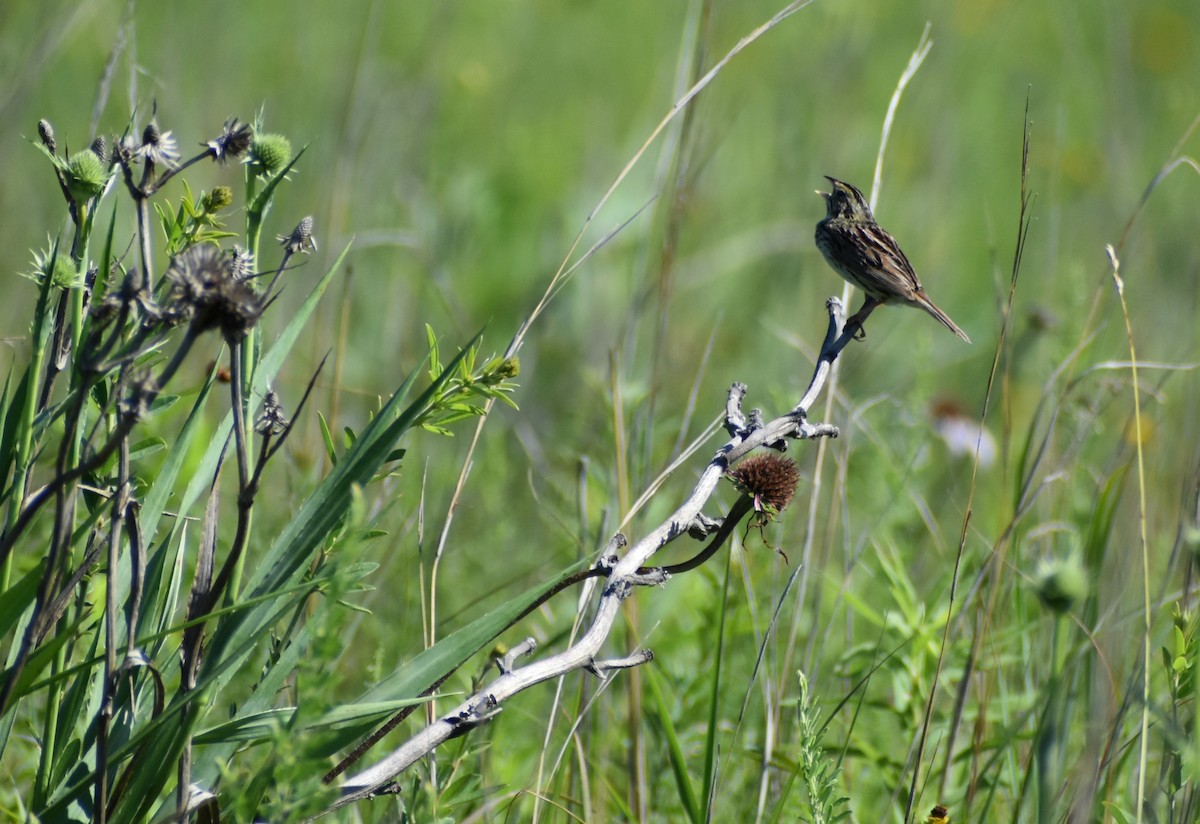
(146, 448)
(679, 768)
(262, 202)
(261, 726)
(327, 437)
(431, 665)
(18, 598)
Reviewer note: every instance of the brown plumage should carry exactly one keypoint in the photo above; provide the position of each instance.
(865, 255)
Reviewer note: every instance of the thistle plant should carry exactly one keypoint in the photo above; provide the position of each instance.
(122, 626)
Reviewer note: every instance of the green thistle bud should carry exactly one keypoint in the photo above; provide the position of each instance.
(217, 199)
(85, 175)
(1061, 582)
(64, 275)
(268, 154)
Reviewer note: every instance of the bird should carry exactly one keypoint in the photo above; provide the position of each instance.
(866, 256)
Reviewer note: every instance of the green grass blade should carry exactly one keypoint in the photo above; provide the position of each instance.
(430, 665)
(683, 781)
(710, 739)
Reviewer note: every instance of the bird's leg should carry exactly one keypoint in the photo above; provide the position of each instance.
(857, 320)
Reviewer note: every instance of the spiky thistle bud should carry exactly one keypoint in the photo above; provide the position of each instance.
(85, 176)
(268, 154)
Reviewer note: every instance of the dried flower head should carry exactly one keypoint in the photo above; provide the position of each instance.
(158, 147)
(234, 139)
(100, 147)
(46, 135)
(140, 391)
(125, 151)
(272, 420)
(769, 479)
(301, 239)
(242, 262)
(208, 293)
(268, 154)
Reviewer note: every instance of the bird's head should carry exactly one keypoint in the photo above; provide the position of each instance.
(845, 201)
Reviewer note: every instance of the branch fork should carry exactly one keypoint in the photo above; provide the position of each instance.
(624, 572)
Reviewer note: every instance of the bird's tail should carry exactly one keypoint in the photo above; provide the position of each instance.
(925, 303)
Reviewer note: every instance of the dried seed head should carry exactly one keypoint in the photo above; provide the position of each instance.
(234, 139)
(104, 311)
(242, 262)
(269, 153)
(301, 239)
(100, 147)
(769, 479)
(140, 391)
(158, 147)
(209, 294)
(85, 176)
(125, 151)
(46, 135)
(272, 420)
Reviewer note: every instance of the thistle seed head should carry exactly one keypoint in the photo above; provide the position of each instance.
(769, 479)
(208, 293)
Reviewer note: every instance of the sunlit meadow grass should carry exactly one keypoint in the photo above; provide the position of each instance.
(1013, 639)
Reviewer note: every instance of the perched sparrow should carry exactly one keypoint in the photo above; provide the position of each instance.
(865, 255)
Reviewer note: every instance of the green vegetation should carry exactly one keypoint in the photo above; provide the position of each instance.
(247, 520)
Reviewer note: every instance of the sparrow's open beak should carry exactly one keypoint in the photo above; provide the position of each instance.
(822, 194)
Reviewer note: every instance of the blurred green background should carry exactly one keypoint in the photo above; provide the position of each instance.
(459, 147)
